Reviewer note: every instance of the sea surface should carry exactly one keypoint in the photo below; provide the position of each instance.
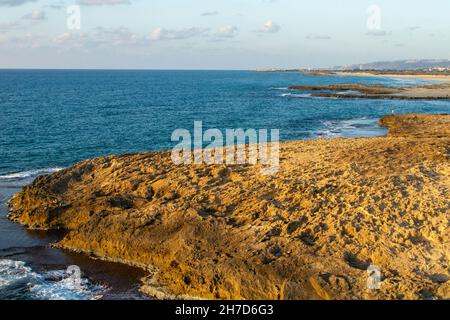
(52, 119)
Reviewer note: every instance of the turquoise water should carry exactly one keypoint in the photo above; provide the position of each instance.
(52, 119)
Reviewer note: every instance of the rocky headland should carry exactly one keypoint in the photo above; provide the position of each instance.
(357, 91)
(335, 207)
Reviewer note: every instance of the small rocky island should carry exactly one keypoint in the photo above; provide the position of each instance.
(335, 207)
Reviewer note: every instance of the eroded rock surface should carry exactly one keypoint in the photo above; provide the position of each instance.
(309, 232)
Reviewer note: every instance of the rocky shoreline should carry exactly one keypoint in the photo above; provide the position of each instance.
(346, 91)
(226, 232)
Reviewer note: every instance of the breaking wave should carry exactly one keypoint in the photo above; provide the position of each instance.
(362, 127)
(22, 178)
(19, 282)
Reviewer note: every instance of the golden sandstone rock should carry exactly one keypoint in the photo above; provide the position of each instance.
(335, 207)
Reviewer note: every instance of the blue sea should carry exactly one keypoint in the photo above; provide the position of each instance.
(53, 119)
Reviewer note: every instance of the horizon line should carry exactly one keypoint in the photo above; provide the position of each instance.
(122, 69)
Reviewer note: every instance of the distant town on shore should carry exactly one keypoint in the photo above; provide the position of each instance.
(415, 66)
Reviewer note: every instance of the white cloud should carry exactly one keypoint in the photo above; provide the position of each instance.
(180, 34)
(318, 37)
(71, 40)
(36, 15)
(101, 37)
(227, 32)
(118, 36)
(57, 5)
(103, 2)
(28, 40)
(13, 3)
(211, 13)
(270, 27)
(378, 33)
(6, 26)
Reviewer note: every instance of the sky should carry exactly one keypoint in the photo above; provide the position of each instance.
(219, 34)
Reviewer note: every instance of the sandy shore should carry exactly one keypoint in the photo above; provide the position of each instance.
(310, 232)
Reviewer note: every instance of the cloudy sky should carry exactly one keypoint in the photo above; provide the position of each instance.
(219, 34)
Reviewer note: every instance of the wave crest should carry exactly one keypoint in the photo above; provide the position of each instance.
(19, 281)
(22, 178)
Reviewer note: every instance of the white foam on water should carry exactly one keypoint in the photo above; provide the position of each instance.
(28, 174)
(12, 271)
(296, 95)
(280, 88)
(352, 128)
(352, 92)
(20, 179)
(19, 281)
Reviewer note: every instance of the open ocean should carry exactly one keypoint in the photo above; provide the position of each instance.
(53, 119)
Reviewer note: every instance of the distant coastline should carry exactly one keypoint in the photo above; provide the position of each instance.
(443, 76)
(439, 91)
(405, 74)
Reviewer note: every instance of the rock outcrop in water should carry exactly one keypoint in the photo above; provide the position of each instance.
(358, 91)
(311, 231)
